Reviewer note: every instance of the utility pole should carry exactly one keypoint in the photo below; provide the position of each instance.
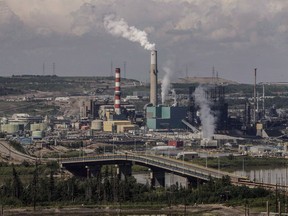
(263, 101)
(111, 72)
(54, 69)
(255, 76)
(43, 69)
(124, 69)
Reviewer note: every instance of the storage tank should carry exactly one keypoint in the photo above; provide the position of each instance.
(4, 120)
(10, 128)
(38, 127)
(208, 143)
(97, 125)
(37, 135)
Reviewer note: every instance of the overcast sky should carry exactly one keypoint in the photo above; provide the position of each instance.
(234, 36)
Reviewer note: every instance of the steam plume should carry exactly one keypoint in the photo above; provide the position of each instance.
(165, 85)
(206, 116)
(174, 95)
(119, 27)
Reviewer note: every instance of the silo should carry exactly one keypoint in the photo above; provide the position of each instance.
(37, 135)
(97, 125)
(10, 128)
(39, 126)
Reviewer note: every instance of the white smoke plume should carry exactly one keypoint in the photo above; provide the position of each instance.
(119, 27)
(206, 116)
(166, 83)
(174, 95)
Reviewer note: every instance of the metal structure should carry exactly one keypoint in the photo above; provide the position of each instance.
(254, 105)
(215, 94)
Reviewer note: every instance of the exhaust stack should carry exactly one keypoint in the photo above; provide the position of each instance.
(117, 96)
(153, 78)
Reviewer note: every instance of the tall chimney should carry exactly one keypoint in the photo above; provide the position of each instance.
(153, 78)
(117, 95)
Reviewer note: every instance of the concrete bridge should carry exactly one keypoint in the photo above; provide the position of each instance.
(158, 165)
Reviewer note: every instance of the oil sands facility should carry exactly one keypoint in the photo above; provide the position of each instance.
(196, 114)
(204, 112)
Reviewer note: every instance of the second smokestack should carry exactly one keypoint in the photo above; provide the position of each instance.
(153, 78)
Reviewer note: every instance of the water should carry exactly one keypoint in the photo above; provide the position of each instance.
(170, 179)
(271, 176)
(263, 175)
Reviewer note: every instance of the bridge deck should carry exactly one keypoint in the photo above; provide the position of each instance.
(167, 164)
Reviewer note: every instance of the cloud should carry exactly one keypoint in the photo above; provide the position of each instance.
(50, 14)
(232, 20)
(222, 32)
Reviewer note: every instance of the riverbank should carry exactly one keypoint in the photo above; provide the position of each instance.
(199, 210)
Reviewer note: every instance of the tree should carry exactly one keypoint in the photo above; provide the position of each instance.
(17, 185)
(51, 186)
(35, 185)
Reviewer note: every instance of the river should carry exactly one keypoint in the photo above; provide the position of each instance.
(266, 175)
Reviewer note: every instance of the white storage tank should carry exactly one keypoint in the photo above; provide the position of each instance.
(10, 128)
(97, 125)
(39, 126)
(37, 135)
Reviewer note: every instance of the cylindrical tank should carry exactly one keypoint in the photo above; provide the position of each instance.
(39, 126)
(10, 128)
(37, 134)
(4, 120)
(97, 125)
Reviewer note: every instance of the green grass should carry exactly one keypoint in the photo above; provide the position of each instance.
(68, 154)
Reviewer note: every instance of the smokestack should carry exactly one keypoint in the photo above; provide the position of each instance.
(153, 78)
(117, 92)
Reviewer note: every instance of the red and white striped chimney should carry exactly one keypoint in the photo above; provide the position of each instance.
(117, 98)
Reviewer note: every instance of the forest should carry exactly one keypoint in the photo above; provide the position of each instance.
(50, 188)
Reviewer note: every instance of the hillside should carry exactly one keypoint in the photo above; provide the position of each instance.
(205, 80)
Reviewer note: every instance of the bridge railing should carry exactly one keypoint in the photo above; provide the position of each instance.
(170, 166)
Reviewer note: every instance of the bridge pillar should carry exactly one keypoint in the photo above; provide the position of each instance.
(92, 171)
(157, 177)
(124, 170)
(193, 182)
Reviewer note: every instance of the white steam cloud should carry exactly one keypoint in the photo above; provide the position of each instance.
(206, 116)
(174, 95)
(166, 83)
(119, 27)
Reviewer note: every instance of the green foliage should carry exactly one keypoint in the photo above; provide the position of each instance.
(70, 153)
(106, 188)
(17, 186)
(17, 146)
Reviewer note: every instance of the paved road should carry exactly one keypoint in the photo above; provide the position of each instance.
(9, 153)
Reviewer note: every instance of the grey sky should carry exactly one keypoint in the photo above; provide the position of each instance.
(234, 36)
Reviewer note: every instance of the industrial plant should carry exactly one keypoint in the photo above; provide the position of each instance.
(201, 115)
(160, 133)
